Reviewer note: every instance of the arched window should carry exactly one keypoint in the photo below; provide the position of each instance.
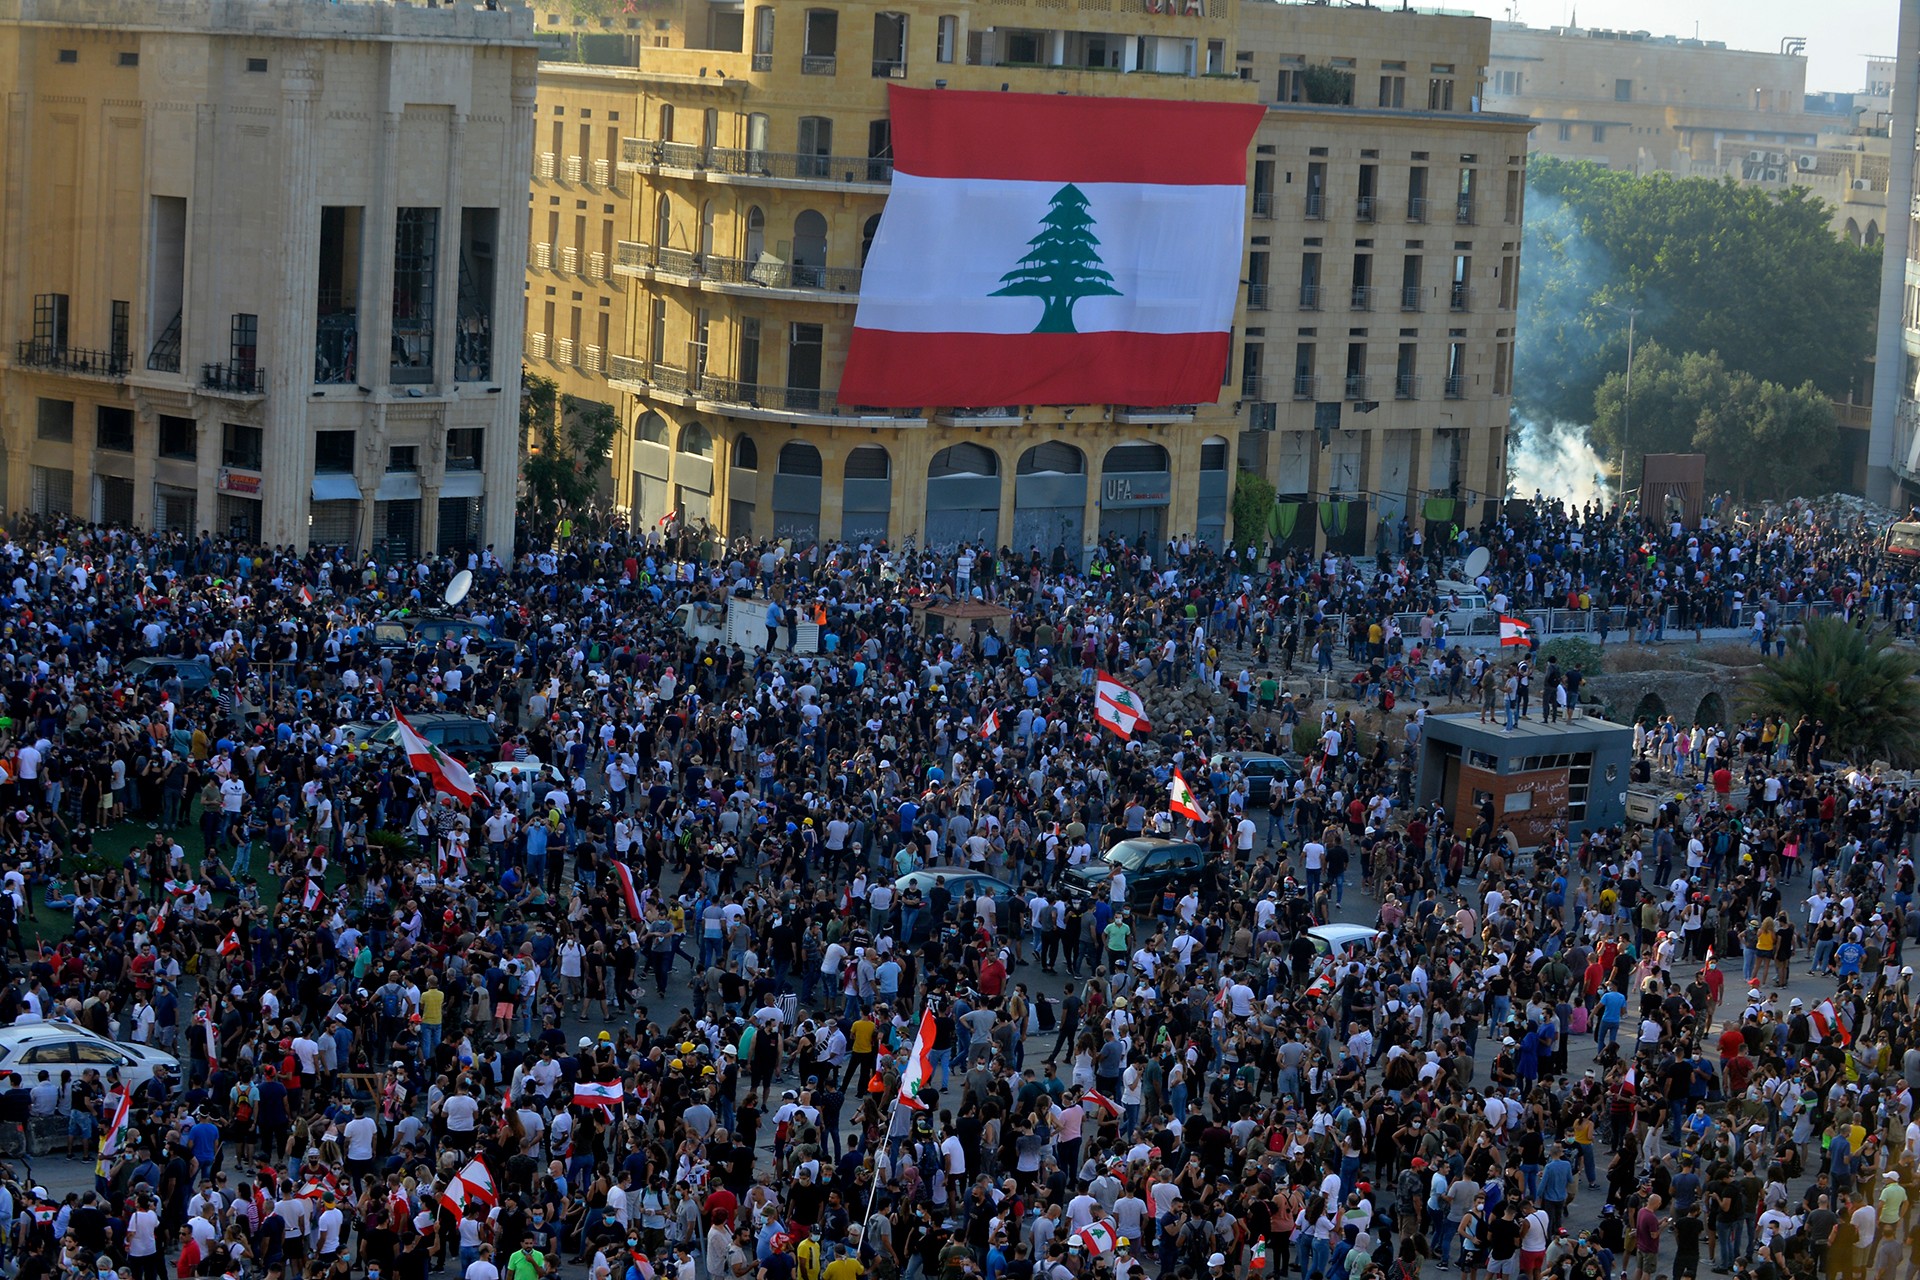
(1052, 458)
(663, 221)
(869, 462)
(756, 233)
(746, 454)
(798, 459)
(1134, 458)
(964, 460)
(666, 122)
(697, 440)
(706, 227)
(868, 230)
(651, 428)
(809, 240)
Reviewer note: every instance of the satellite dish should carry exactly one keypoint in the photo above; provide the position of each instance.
(1476, 562)
(458, 588)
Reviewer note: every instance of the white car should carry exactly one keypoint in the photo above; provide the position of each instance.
(53, 1047)
(1333, 946)
(546, 774)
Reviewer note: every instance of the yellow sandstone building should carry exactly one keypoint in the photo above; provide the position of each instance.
(261, 267)
(708, 177)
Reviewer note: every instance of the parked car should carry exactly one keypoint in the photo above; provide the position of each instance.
(194, 674)
(1333, 946)
(545, 776)
(964, 883)
(1260, 769)
(53, 1047)
(465, 738)
(1151, 864)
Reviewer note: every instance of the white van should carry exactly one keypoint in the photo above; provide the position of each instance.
(1462, 604)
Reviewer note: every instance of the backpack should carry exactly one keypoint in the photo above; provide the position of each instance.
(390, 1001)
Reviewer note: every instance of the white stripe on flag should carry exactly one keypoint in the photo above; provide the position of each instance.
(1173, 252)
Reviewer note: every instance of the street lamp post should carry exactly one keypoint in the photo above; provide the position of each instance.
(1626, 408)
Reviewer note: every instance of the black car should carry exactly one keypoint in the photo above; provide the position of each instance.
(465, 738)
(1261, 770)
(432, 631)
(1151, 865)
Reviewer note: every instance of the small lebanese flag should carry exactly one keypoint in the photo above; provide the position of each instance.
(306, 595)
(1257, 1256)
(116, 1125)
(162, 917)
(623, 874)
(1827, 1023)
(991, 725)
(1117, 707)
(212, 1034)
(230, 944)
(919, 1064)
(1096, 1238)
(311, 896)
(181, 888)
(1101, 1101)
(588, 1094)
(472, 1183)
(668, 518)
(1041, 249)
(1180, 799)
(1514, 630)
(449, 777)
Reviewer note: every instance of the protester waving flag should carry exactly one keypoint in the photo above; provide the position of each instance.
(1117, 707)
(1180, 799)
(919, 1064)
(449, 777)
(1514, 630)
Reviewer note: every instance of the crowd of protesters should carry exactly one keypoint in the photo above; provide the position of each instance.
(419, 1034)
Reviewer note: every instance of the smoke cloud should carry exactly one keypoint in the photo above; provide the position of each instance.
(1558, 460)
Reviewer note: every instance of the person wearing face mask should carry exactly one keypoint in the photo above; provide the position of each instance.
(481, 1268)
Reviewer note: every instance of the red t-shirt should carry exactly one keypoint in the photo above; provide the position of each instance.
(1731, 1043)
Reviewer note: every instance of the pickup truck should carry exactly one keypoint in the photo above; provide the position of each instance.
(743, 622)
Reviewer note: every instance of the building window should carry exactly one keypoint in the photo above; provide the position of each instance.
(120, 338)
(69, 55)
(241, 446)
(49, 325)
(818, 57)
(179, 438)
(1440, 93)
(1623, 91)
(243, 339)
(946, 36)
(403, 457)
(54, 421)
(1393, 91)
(1599, 133)
(258, 66)
(416, 244)
(128, 59)
(1290, 84)
(113, 429)
(464, 448)
(747, 367)
(1566, 132)
(333, 451)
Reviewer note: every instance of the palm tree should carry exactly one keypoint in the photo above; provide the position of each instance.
(1849, 677)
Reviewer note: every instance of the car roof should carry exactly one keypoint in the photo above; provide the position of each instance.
(1342, 932)
(35, 1032)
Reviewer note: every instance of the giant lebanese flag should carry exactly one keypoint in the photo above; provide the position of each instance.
(919, 1064)
(1048, 249)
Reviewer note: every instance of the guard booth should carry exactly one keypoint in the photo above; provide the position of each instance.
(1572, 773)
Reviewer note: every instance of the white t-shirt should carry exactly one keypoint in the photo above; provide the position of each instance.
(143, 1226)
(461, 1112)
(360, 1134)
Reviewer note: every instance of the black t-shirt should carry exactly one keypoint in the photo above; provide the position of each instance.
(1686, 1236)
(1503, 1238)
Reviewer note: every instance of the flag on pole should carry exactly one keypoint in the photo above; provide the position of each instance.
(230, 944)
(212, 1034)
(1117, 707)
(1180, 799)
(1257, 1256)
(162, 917)
(119, 1102)
(1514, 630)
(1096, 1239)
(449, 778)
(919, 1067)
(623, 875)
(1826, 1023)
(311, 896)
(1102, 1101)
(668, 518)
(991, 725)
(473, 1182)
(306, 595)
(588, 1094)
(1039, 249)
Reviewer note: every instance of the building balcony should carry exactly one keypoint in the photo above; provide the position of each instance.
(1309, 297)
(1406, 386)
(1416, 208)
(1005, 415)
(1363, 209)
(1456, 387)
(1356, 386)
(77, 360)
(233, 379)
(728, 163)
(1460, 297)
(819, 64)
(1263, 205)
(1138, 414)
(1463, 211)
(739, 276)
(768, 401)
(762, 62)
(1306, 386)
(1254, 386)
(889, 69)
(1316, 206)
(1362, 297)
(641, 154)
(1410, 297)
(1257, 296)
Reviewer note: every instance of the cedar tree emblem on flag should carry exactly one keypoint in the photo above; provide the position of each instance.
(1062, 265)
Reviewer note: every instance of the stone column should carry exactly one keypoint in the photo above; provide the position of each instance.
(20, 138)
(446, 301)
(372, 465)
(376, 290)
(206, 452)
(429, 515)
(146, 431)
(501, 461)
(286, 464)
(19, 494)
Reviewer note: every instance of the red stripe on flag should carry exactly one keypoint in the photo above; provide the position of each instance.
(1040, 137)
(979, 370)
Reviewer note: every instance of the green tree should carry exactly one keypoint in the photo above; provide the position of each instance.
(1850, 678)
(1252, 508)
(1062, 263)
(1711, 266)
(567, 442)
(1761, 439)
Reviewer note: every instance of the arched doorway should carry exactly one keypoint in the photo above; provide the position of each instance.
(1050, 501)
(963, 497)
(796, 494)
(693, 476)
(756, 234)
(1136, 484)
(743, 487)
(1649, 710)
(809, 249)
(1210, 519)
(866, 495)
(648, 500)
(1712, 712)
